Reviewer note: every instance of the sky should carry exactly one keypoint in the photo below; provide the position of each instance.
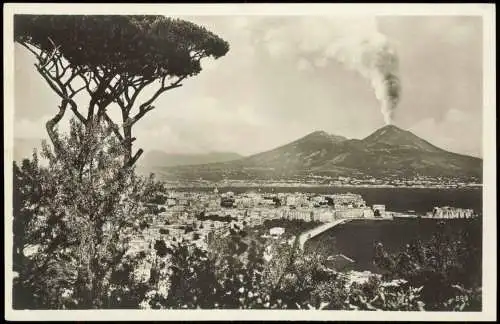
(285, 77)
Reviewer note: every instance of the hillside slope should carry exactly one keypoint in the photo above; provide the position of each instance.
(388, 152)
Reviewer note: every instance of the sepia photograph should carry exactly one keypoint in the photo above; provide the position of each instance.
(250, 162)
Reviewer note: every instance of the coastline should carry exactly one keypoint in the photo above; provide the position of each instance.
(310, 185)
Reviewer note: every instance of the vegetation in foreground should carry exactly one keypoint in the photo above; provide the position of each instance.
(82, 210)
(74, 218)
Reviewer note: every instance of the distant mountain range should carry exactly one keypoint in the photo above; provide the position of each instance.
(162, 159)
(389, 151)
(23, 148)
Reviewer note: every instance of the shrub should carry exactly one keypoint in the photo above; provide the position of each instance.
(448, 267)
(88, 211)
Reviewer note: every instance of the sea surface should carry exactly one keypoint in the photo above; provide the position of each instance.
(356, 238)
(420, 200)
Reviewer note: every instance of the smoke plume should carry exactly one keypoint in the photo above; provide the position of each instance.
(354, 42)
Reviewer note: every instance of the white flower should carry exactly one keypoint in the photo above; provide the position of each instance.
(389, 284)
(144, 305)
(241, 290)
(66, 293)
(393, 283)
(163, 290)
(151, 293)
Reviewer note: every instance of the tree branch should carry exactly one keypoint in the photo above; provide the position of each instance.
(65, 68)
(139, 115)
(114, 94)
(53, 65)
(136, 93)
(48, 79)
(134, 159)
(96, 96)
(125, 92)
(61, 89)
(87, 83)
(70, 78)
(37, 55)
(52, 81)
(74, 109)
(146, 106)
(51, 56)
(162, 90)
(113, 126)
(51, 124)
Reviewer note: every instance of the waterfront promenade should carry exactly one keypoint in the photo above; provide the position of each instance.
(318, 230)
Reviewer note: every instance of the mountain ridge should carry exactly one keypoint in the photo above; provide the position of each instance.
(23, 148)
(388, 151)
(157, 158)
(394, 135)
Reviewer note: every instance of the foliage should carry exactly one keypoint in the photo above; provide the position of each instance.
(89, 212)
(293, 275)
(154, 191)
(27, 201)
(448, 267)
(123, 44)
(113, 59)
(394, 295)
(282, 276)
(275, 277)
(214, 217)
(82, 210)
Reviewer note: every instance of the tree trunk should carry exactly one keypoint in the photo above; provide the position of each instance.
(127, 144)
(50, 124)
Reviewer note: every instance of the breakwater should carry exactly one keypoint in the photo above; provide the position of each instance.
(318, 230)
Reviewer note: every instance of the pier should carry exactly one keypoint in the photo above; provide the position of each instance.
(318, 230)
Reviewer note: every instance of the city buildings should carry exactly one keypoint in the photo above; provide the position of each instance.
(451, 212)
(379, 210)
(276, 232)
(194, 215)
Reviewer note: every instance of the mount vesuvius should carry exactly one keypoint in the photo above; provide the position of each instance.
(388, 152)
